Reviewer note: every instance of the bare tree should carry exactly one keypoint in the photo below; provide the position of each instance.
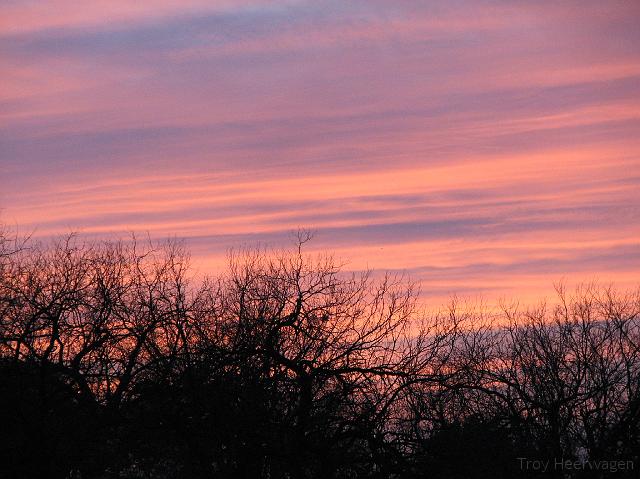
(116, 362)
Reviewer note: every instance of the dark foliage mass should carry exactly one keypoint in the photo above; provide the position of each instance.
(116, 363)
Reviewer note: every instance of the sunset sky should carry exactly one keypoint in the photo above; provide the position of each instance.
(486, 148)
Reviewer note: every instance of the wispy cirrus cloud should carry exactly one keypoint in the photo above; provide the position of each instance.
(484, 146)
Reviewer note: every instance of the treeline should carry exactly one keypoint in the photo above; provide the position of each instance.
(116, 363)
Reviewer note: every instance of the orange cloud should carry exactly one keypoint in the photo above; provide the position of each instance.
(490, 149)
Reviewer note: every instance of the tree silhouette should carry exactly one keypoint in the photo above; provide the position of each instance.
(116, 362)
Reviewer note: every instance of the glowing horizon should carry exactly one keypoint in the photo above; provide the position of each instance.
(486, 148)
